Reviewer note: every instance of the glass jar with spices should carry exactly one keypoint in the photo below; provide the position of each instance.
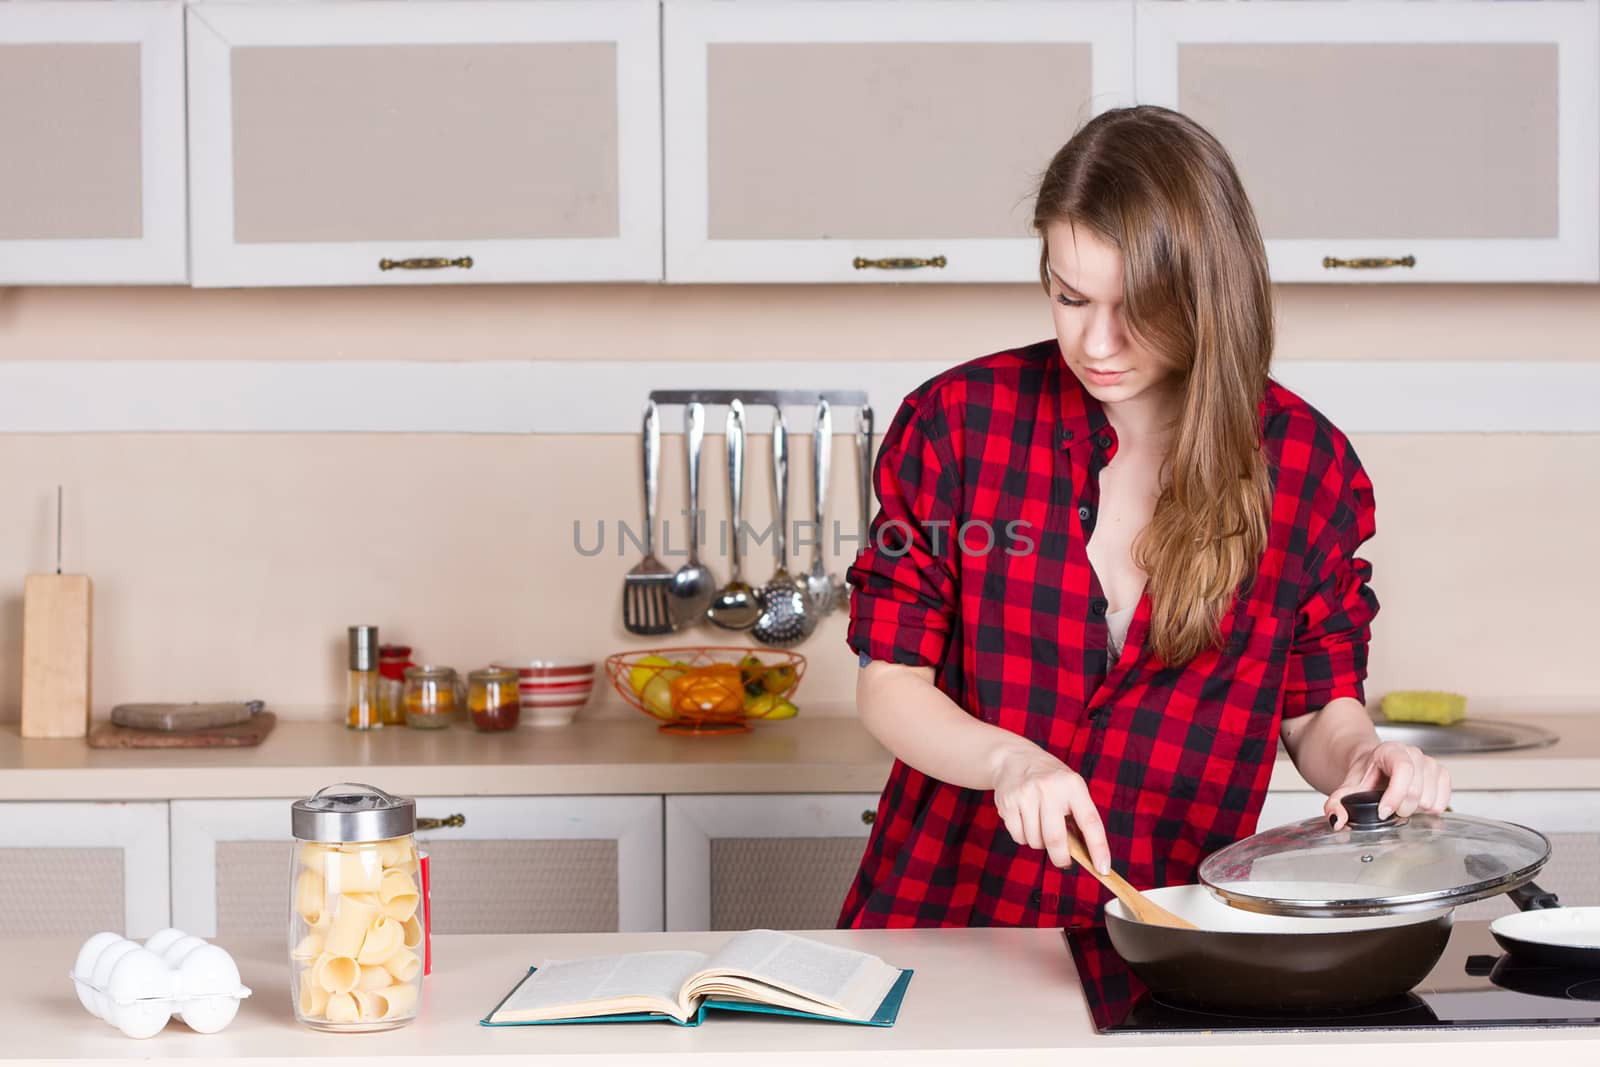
(492, 698)
(432, 696)
(392, 663)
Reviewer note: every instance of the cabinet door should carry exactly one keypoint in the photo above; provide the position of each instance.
(91, 124)
(807, 143)
(514, 865)
(778, 862)
(395, 142)
(1433, 142)
(75, 868)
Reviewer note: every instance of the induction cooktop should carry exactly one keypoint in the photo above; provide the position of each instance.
(1472, 986)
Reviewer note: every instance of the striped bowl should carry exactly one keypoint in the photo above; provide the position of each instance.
(551, 691)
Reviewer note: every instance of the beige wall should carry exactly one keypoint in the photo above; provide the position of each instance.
(229, 565)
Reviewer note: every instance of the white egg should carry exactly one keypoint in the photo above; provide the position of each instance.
(161, 940)
(180, 948)
(140, 994)
(209, 975)
(101, 974)
(83, 967)
(209, 1014)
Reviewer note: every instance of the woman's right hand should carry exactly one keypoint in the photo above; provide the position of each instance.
(1036, 794)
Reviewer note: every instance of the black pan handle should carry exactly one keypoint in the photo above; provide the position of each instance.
(1530, 897)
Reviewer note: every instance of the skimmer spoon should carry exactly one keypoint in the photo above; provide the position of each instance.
(821, 587)
(785, 616)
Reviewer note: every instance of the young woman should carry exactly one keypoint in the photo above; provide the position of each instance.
(1111, 569)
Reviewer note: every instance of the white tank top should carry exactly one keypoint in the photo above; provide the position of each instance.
(1117, 627)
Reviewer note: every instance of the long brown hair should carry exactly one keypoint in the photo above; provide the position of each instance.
(1196, 291)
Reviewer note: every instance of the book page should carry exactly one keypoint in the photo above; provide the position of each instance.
(640, 981)
(852, 984)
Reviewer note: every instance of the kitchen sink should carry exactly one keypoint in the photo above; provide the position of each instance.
(1471, 735)
(1464, 738)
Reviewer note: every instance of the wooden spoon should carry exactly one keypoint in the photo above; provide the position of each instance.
(1143, 908)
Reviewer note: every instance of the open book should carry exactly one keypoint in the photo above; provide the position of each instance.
(758, 970)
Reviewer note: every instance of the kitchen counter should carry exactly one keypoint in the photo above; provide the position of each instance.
(615, 756)
(982, 995)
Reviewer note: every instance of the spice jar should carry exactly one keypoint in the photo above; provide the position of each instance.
(492, 698)
(392, 663)
(432, 696)
(356, 928)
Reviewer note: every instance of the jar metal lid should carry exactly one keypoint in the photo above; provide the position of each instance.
(493, 674)
(344, 813)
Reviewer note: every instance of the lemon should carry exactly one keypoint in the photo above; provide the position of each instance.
(770, 706)
(647, 668)
(656, 696)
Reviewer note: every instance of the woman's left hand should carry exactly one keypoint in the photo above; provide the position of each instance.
(1411, 781)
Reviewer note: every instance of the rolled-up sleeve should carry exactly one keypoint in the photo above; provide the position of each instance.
(903, 581)
(1329, 657)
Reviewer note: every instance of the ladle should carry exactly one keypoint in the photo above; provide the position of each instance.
(735, 607)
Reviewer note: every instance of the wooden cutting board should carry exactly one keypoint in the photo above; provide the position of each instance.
(239, 735)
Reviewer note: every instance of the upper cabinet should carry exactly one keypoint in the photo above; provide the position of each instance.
(874, 140)
(403, 142)
(1437, 142)
(91, 124)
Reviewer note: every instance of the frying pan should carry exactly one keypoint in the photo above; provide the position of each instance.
(1543, 933)
(1240, 960)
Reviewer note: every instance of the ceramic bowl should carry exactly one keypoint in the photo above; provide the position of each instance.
(551, 692)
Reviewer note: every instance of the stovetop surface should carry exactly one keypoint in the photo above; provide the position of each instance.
(1473, 985)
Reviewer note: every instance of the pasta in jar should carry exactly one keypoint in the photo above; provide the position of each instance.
(356, 921)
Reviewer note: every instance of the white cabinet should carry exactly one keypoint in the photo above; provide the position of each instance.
(1426, 142)
(780, 862)
(92, 133)
(402, 142)
(514, 865)
(77, 868)
(874, 140)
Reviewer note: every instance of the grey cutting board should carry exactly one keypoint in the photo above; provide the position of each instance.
(175, 718)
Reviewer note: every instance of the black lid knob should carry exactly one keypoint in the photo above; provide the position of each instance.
(1363, 810)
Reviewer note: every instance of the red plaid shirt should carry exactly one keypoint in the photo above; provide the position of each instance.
(1009, 447)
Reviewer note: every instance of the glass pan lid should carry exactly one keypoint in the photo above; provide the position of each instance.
(1374, 866)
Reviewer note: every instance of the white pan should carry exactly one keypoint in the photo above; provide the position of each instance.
(1545, 934)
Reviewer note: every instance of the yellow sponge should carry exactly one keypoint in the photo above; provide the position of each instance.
(1422, 705)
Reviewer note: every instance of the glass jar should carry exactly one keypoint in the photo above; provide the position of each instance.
(432, 696)
(492, 698)
(392, 663)
(356, 925)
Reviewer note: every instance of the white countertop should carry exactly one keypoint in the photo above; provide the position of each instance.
(616, 756)
(979, 996)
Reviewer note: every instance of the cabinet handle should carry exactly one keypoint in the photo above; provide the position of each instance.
(869, 817)
(1378, 263)
(898, 264)
(449, 822)
(433, 263)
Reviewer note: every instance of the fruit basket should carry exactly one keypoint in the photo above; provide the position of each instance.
(708, 689)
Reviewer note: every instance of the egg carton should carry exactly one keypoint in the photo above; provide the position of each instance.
(137, 988)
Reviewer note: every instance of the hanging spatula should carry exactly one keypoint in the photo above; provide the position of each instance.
(646, 607)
